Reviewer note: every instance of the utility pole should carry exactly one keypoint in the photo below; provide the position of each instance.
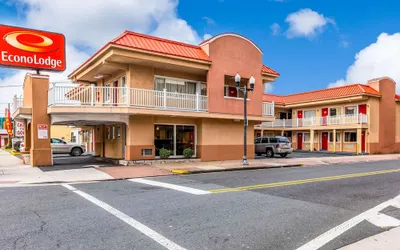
(9, 137)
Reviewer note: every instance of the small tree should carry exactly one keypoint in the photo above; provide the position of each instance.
(188, 153)
(165, 153)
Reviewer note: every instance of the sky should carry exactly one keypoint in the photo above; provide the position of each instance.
(313, 44)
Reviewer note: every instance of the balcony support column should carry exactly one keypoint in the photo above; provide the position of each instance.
(311, 140)
(334, 141)
(282, 132)
(359, 134)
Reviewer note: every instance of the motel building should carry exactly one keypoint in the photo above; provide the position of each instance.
(139, 94)
(359, 118)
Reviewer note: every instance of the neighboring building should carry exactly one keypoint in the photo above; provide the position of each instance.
(3, 138)
(355, 118)
(141, 93)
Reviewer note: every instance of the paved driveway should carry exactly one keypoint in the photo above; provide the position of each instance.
(262, 209)
(65, 161)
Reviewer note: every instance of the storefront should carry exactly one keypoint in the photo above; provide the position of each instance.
(175, 138)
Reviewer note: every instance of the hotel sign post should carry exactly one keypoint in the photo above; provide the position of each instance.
(31, 49)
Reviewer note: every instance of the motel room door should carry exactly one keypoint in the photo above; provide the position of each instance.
(363, 141)
(324, 141)
(300, 141)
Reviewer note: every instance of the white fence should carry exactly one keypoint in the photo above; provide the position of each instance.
(17, 102)
(317, 121)
(268, 109)
(121, 96)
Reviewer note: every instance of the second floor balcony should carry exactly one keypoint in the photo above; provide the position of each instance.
(125, 97)
(317, 121)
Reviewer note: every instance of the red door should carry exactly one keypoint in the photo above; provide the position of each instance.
(324, 141)
(324, 116)
(363, 141)
(362, 109)
(300, 118)
(115, 94)
(300, 141)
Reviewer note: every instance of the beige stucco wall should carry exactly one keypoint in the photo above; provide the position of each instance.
(398, 122)
(61, 132)
(113, 146)
(373, 120)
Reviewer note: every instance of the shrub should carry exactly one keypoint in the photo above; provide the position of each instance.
(165, 153)
(188, 153)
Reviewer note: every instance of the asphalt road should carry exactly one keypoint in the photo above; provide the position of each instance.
(260, 209)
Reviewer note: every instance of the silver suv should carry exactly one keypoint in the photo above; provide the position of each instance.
(61, 147)
(271, 145)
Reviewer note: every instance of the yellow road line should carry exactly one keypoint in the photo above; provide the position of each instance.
(298, 182)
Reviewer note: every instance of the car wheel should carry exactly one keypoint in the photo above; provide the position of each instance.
(269, 153)
(283, 155)
(76, 152)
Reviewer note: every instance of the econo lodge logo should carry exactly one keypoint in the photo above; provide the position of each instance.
(32, 49)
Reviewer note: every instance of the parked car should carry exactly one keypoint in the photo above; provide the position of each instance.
(61, 147)
(271, 145)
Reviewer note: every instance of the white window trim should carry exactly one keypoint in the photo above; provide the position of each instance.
(354, 105)
(305, 137)
(344, 136)
(305, 110)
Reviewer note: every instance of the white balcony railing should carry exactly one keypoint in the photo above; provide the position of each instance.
(268, 109)
(317, 121)
(121, 96)
(17, 102)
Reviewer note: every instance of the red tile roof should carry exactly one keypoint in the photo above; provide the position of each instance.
(163, 46)
(268, 70)
(160, 45)
(323, 94)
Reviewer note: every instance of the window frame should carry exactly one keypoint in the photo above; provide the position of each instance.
(337, 108)
(355, 110)
(344, 134)
(197, 88)
(304, 137)
(309, 110)
(330, 134)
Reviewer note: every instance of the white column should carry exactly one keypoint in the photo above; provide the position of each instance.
(165, 98)
(311, 140)
(334, 140)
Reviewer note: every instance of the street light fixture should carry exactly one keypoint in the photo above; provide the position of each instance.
(245, 90)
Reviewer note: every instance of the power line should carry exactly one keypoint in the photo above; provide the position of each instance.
(10, 86)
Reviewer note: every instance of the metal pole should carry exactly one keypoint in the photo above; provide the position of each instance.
(245, 162)
(9, 137)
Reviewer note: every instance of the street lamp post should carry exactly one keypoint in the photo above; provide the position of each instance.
(244, 90)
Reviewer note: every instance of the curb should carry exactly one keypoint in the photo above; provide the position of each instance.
(202, 171)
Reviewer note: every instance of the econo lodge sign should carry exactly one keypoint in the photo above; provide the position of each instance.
(33, 49)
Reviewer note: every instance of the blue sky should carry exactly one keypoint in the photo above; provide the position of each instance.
(321, 53)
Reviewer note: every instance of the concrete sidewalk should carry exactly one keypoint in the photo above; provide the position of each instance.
(389, 240)
(12, 171)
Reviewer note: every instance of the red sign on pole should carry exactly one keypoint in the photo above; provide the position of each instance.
(8, 123)
(33, 49)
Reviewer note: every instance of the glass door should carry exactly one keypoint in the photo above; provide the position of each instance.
(184, 138)
(163, 138)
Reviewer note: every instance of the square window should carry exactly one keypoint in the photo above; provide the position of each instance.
(306, 137)
(147, 152)
(350, 137)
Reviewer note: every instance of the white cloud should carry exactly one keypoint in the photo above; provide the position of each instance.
(209, 20)
(93, 22)
(376, 60)
(207, 36)
(344, 44)
(268, 87)
(306, 23)
(276, 29)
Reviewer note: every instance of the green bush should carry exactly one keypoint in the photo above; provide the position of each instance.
(165, 153)
(188, 153)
